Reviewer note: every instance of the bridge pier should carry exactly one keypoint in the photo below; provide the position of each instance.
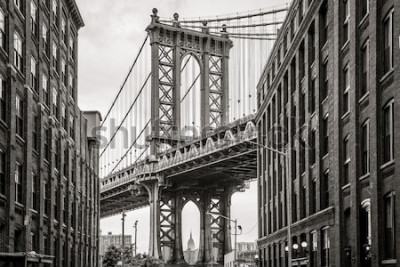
(153, 189)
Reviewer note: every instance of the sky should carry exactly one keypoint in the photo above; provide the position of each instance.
(108, 43)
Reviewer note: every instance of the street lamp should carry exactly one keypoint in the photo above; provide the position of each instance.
(285, 154)
(135, 226)
(235, 234)
(123, 238)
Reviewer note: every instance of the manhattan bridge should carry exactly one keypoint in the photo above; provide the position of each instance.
(181, 126)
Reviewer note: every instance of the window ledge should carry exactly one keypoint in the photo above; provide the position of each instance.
(19, 13)
(365, 96)
(3, 124)
(389, 261)
(20, 139)
(365, 176)
(363, 19)
(3, 52)
(34, 211)
(325, 156)
(387, 164)
(345, 45)
(19, 205)
(346, 186)
(389, 73)
(346, 114)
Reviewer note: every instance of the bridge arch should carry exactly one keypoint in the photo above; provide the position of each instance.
(191, 214)
(190, 95)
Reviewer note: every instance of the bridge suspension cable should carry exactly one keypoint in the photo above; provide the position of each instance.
(126, 79)
(127, 113)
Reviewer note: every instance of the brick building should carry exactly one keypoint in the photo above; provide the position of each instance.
(113, 240)
(329, 96)
(49, 186)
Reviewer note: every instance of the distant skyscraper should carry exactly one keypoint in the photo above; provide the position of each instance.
(191, 253)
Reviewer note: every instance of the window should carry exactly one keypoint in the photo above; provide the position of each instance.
(46, 144)
(390, 226)
(364, 7)
(18, 4)
(35, 198)
(325, 136)
(388, 141)
(35, 129)
(313, 193)
(294, 206)
(2, 172)
(324, 80)
(388, 42)
(66, 161)
(63, 116)
(55, 98)
(313, 151)
(55, 54)
(303, 202)
(56, 203)
(18, 183)
(302, 108)
(71, 126)
(45, 87)
(365, 148)
(65, 210)
(47, 198)
(63, 72)
(3, 100)
(33, 74)
(55, 13)
(311, 42)
(63, 31)
(302, 62)
(18, 52)
(33, 18)
(302, 156)
(325, 190)
(346, 19)
(365, 69)
(312, 96)
(346, 91)
(2, 29)
(45, 38)
(71, 85)
(346, 161)
(324, 24)
(314, 248)
(325, 242)
(19, 116)
(71, 47)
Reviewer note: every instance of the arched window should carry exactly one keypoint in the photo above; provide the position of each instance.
(390, 226)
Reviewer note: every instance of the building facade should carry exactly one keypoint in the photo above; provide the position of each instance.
(329, 98)
(113, 240)
(49, 189)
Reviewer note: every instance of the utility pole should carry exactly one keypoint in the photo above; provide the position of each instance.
(123, 238)
(135, 226)
(235, 255)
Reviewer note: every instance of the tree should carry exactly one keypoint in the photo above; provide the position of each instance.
(112, 256)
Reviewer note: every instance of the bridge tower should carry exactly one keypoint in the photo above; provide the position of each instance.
(170, 44)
